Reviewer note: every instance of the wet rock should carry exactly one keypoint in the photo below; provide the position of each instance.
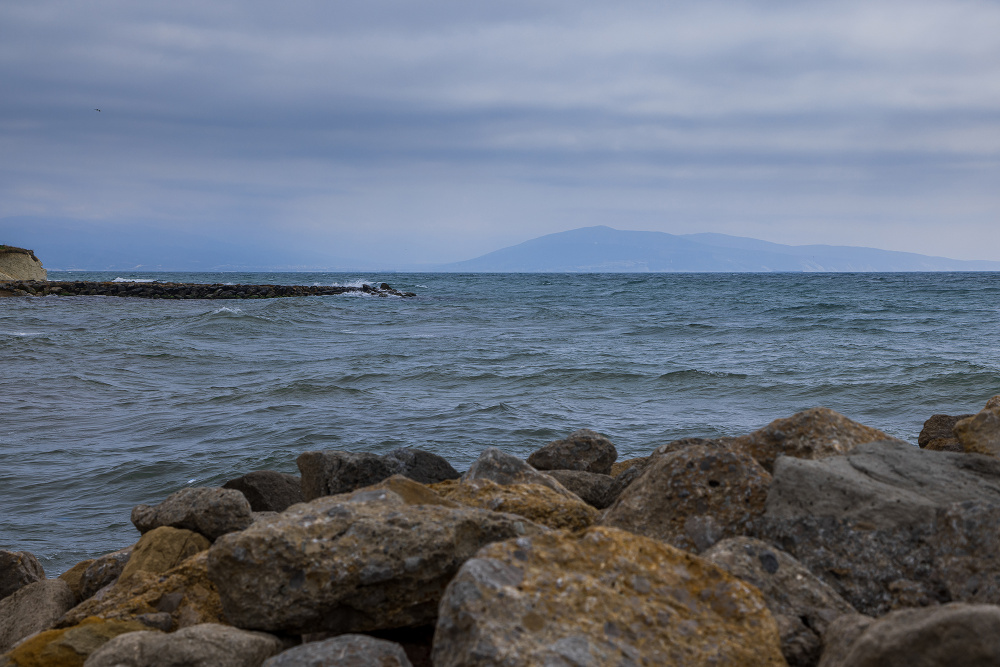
(693, 497)
(184, 592)
(503, 468)
(162, 549)
(420, 466)
(980, 434)
(343, 651)
(953, 634)
(268, 490)
(583, 450)
(606, 597)
(103, 571)
(536, 503)
(596, 490)
(18, 569)
(206, 645)
(938, 433)
(67, 647)
(211, 511)
(350, 563)
(33, 608)
(329, 473)
(811, 434)
(802, 604)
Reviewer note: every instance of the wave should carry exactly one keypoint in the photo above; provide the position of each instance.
(135, 280)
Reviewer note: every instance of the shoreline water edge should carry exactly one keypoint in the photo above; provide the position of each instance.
(815, 540)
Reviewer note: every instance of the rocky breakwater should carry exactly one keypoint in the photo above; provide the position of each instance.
(812, 541)
(158, 290)
(18, 264)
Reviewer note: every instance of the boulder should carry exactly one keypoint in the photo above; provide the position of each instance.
(811, 434)
(18, 569)
(330, 473)
(503, 468)
(980, 434)
(802, 604)
(20, 264)
(684, 443)
(211, 511)
(890, 525)
(693, 497)
(350, 563)
(938, 433)
(162, 549)
(67, 647)
(267, 490)
(993, 404)
(205, 645)
(603, 597)
(596, 490)
(952, 634)
(621, 466)
(103, 571)
(583, 450)
(33, 608)
(343, 651)
(536, 503)
(420, 466)
(74, 576)
(177, 598)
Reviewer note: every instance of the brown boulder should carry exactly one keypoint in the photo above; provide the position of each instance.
(938, 433)
(539, 504)
(980, 434)
(603, 597)
(598, 491)
(103, 571)
(621, 466)
(581, 450)
(67, 647)
(811, 434)
(162, 549)
(693, 497)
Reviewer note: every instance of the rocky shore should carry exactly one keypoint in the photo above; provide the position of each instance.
(158, 290)
(812, 541)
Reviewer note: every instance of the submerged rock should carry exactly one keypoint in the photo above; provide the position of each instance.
(606, 597)
(207, 510)
(584, 450)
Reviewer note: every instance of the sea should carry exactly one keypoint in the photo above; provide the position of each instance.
(109, 402)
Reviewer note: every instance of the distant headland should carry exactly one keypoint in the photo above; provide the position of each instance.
(20, 264)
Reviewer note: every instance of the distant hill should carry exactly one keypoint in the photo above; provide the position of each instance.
(605, 250)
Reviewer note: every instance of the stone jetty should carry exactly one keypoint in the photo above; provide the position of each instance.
(814, 541)
(166, 290)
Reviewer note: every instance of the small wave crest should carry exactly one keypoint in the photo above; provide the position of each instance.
(135, 280)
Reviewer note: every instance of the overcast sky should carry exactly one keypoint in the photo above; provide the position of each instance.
(437, 131)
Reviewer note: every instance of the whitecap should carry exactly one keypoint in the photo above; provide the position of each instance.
(135, 280)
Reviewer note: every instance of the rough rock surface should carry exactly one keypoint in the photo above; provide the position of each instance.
(18, 569)
(504, 468)
(980, 434)
(177, 598)
(74, 576)
(162, 549)
(596, 490)
(350, 563)
(802, 604)
(33, 608)
(343, 651)
(581, 450)
(206, 645)
(606, 597)
(67, 647)
(420, 466)
(268, 490)
(329, 473)
(811, 434)
(621, 466)
(684, 443)
(211, 511)
(103, 571)
(953, 634)
(693, 497)
(535, 503)
(20, 264)
(890, 525)
(993, 404)
(938, 433)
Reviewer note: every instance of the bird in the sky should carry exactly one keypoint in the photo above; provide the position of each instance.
(96, 109)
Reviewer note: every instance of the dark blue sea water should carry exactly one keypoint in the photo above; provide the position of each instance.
(109, 402)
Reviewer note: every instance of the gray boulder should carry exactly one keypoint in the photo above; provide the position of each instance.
(268, 490)
(33, 608)
(329, 473)
(343, 651)
(420, 466)
(801, 603)
(953, 634)
(596, 490)
(353, 563)
(583, 450)
(103, 571)
(18, 569)
(204, 645)
(503, 468)
(211, 511)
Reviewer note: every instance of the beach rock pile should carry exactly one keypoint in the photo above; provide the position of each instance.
(158, 290)
(813, 541)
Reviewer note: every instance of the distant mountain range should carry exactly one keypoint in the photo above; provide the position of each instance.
(605, 250)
